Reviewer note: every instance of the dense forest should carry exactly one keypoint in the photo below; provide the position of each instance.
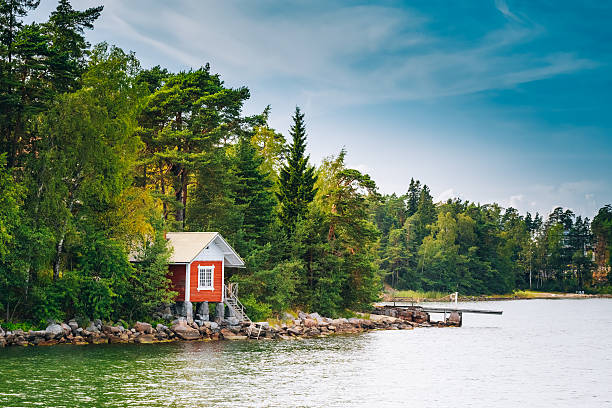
(99, 156)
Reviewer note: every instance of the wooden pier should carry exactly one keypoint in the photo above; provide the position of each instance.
(453, 316)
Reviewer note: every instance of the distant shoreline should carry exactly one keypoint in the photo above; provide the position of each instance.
(484, 298)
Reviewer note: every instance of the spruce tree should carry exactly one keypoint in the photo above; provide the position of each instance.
(413, 197)
(253, 193)
(297, 177)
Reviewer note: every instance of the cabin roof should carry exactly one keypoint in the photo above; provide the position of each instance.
(187, 245)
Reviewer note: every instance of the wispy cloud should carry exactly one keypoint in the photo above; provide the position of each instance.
(445, 195)
(502, 6)
(341, 54)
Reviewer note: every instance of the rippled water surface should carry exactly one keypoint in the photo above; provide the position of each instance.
(540, 353)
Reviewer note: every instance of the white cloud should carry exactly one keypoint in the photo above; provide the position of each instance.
(503, 8)
(445, 195)
(334, 55)
(516, 200)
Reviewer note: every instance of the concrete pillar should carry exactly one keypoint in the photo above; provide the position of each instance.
(220, 312)
(178, 309)
(189, 312)
(230, 312)
(203, 312)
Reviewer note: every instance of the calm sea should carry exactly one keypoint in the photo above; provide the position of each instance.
(539, 353)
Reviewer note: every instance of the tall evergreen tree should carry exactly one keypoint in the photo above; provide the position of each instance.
(412, 197)
(253, 193)
(297, 177)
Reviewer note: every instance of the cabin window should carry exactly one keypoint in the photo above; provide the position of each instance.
(205, 277)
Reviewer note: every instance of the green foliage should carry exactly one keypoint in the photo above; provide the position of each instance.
(257, 311)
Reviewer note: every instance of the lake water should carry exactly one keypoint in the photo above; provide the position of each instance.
(539, 353)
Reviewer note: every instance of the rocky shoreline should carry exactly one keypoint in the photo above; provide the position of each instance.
(304, 326)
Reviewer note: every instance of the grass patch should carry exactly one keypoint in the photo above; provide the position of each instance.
(526, 294)
(418, 294)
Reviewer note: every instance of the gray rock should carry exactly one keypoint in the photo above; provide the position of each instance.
(214, 326)
(67, 329)
(54, 330)
(233, 321)
(199, 322)
(160, 327)
(302, 315)
(1, 331)
(98, 323)
(73, 325)
(92, 328)
(314, 316)
(288, 316)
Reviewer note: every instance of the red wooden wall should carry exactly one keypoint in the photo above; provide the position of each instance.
(206, 295)
(177, 276)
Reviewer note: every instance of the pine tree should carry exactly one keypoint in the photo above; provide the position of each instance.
(297, 177)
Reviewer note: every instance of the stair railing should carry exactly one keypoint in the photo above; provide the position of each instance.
(231, 296)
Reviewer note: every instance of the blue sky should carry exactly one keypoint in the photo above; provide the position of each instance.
(491, 101)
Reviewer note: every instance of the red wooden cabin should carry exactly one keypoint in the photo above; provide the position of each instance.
(197, 265)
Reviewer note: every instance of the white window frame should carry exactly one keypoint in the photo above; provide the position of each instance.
(202, 270)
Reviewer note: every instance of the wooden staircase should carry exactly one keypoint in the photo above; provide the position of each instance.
(233, 303)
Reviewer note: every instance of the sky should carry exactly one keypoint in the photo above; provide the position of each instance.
(486, 100)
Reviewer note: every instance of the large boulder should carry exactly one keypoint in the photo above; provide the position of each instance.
(230, 335)
(145, 339)
(143, 327)
(339, 322)
(310, 323)
(67, 329)
(295, 330)
(92, 328)
(185, 332)
(54, 330)
(73, 325)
